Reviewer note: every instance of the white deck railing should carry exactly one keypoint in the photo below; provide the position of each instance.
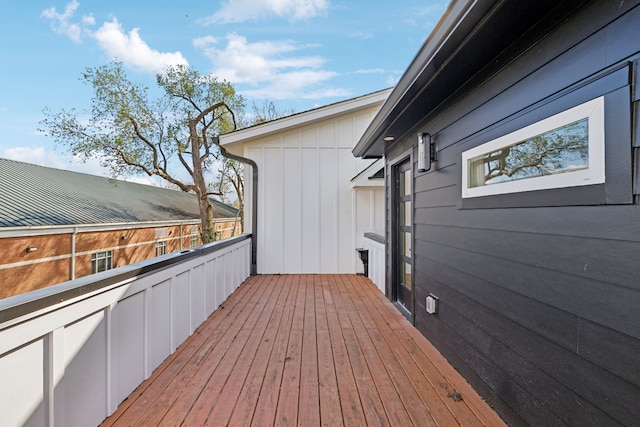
(69, 354)
(375, 245)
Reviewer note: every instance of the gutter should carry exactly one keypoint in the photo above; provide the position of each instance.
(254, 201)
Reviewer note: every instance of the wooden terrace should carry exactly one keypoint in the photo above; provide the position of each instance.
(305, 350)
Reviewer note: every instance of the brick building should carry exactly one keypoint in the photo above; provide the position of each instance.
(57, 225)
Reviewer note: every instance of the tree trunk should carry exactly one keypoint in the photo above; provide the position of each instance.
(207, 231)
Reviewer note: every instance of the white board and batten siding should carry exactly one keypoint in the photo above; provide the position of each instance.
(307, 216)
(72, 363)
(369, 208)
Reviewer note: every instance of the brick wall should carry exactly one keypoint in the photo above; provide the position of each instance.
(51, 263)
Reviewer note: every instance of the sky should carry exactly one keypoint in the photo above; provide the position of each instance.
(298, 54)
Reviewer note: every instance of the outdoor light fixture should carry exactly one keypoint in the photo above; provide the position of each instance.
(426, 152)
(388, 138)
(31, 249)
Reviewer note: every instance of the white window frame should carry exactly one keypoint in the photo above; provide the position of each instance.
(99, 256)
(194, 236)
(161, 247)
(594, 174)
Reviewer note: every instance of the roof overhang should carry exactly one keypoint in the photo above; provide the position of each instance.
(461, 49)
(305, 118)
(371, 176)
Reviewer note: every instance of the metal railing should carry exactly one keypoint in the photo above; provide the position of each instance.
(70, 353)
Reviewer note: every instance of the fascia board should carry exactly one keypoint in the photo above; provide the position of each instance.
(304, 118)
(363, 180)
(446, 26)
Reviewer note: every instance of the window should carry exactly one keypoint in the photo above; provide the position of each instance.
(565, 150)
(194, 236)
(101, 261)
(161, 248)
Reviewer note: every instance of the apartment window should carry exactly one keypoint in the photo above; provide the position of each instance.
(564, 150)
(194, 236)
(161, 248)
(101, 261)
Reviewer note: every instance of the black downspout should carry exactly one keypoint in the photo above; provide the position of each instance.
(254, 205)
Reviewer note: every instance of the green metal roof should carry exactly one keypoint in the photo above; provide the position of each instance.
(32, 195)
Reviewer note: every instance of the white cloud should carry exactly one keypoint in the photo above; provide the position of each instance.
(297, 85)
(270, 67)
(40, 156)
(435, 9)
(34, 155)
(425, 16)
(89, 20)
(112, 39)
(205, 41)
(364, 35)
(60, 22)
(236, 11)
(393, 80)
(132, 50)
(370, 71)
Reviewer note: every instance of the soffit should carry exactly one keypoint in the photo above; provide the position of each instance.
(462, 47)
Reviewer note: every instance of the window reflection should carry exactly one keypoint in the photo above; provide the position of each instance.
(405, 183)
(406, 275)
(561, 150)
(406, 244)
(405, 214)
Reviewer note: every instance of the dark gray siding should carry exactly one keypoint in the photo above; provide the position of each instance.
(539, 291)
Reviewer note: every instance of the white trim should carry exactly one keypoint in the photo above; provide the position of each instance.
(84, 253)
(43, 230)
(98, 256)
(594, 174)
(363, 179)
(305, 118)
(35, 261)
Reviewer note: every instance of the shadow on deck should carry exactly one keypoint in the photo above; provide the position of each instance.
(305, 350)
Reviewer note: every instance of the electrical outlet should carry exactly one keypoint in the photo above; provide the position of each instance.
(432, 304)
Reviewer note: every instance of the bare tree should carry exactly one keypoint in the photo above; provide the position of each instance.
(169, 136)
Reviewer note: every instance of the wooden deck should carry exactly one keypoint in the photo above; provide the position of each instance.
(305, 350)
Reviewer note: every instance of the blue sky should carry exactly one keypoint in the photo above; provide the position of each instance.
(300, 54)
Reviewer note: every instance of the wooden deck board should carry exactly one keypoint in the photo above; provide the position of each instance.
(350, 401)
(305, 350)
(265, 411)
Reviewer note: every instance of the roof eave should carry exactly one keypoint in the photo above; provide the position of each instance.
(302, 119)
(371, 144)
